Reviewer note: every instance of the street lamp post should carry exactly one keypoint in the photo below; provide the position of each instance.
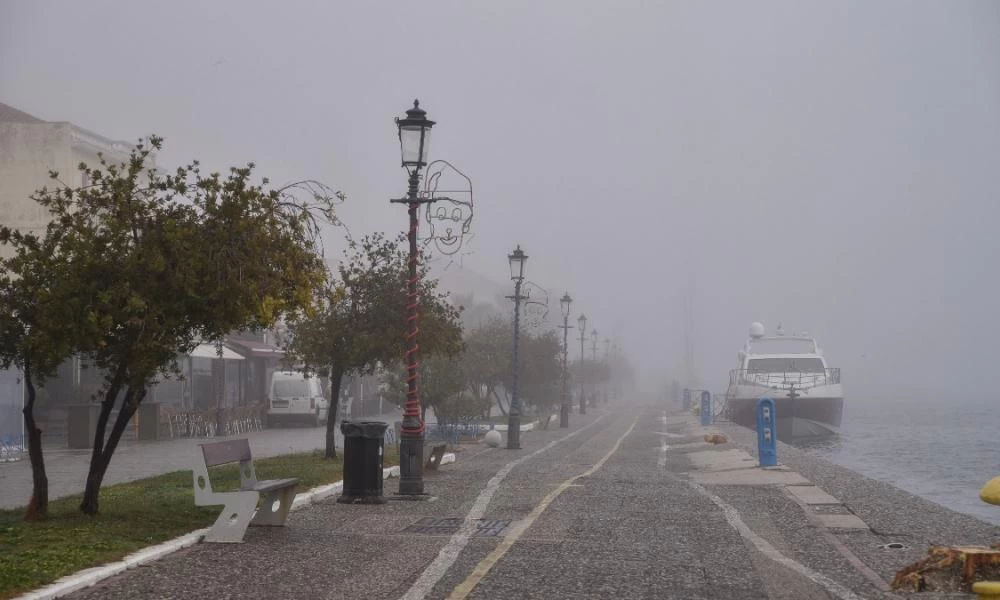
(517, 260)
(582, 322)
(414, 138)
(607, 363)
(593, 339)
(564, 303)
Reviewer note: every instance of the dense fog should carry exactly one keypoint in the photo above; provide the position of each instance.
(682, 169)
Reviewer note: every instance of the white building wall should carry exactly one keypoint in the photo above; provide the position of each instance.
(28, 151)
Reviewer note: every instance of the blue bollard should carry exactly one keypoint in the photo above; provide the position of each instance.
(706, 408)
(767, 433)
(687, 399)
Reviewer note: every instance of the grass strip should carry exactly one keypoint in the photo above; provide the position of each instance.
(133, 516)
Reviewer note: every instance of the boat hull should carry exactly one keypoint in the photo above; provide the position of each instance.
(815, 414)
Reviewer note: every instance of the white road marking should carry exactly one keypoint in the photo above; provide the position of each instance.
(465, 588)
(765, 548)
(449, 554)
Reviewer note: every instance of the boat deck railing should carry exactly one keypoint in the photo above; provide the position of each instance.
(784, 380)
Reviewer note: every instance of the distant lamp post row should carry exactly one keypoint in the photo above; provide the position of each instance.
(517, 260)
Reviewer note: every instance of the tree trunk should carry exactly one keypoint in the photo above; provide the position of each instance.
(331, 416)
(38, 506)
(99, 463)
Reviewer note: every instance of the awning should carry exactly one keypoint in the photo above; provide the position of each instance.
(255, 349)
(210, 351)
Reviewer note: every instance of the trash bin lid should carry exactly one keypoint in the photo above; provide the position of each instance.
(365, 429)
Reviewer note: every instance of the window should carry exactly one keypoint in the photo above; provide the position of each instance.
(786, 364)
(284, 388)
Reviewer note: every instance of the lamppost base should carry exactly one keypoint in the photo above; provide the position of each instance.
(411, 465)
(564, 416)
(514, 432)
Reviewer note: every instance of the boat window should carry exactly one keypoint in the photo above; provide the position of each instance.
(786, 364)
(782, 346)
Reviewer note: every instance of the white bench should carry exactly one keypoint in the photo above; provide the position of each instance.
(238, 512)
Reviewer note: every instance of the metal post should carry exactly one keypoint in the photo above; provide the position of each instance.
(583, 393)
(767, 433)
(564, 407)
(607, 362)
(514, 416)
(411, 444)
(706, 408)
(594, 354)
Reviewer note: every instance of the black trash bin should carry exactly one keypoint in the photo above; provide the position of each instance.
(363, 453)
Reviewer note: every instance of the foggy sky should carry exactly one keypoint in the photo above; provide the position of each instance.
(834, 166)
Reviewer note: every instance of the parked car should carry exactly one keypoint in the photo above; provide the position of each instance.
(295, 398)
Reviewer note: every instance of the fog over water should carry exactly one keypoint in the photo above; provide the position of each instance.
(832, 166)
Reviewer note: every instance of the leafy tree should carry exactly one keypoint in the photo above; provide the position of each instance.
(592, 373)
(35, 305)
(486, 362)
(541, 369)
(360, 322)
(443, 388)
(488, 358)
(164, 261)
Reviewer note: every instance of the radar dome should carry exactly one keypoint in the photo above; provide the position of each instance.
(757, 330)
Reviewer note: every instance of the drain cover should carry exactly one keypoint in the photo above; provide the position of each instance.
(449, 526)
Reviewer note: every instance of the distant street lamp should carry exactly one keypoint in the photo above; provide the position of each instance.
(582, 322)
(593, 339)
(517, 260)
(564, 303)
(414, 140)
(607, 363)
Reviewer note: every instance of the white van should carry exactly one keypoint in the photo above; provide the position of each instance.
(293, 397)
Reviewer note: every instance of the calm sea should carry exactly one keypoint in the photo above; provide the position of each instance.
(943, 450)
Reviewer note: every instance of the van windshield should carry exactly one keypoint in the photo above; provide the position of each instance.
(292, 387)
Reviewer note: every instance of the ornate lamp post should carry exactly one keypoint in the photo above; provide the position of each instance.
(517, 260)
(414, 140)
(582, 322)
(564, 303)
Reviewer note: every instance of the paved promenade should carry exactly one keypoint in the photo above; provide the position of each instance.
(67, 469)
(627, 505)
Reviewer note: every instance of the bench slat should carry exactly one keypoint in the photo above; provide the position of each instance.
(275, 484)
(221, 453)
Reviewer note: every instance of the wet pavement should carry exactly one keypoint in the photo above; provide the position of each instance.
(610, 508)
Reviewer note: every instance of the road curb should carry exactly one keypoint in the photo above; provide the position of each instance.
(88, 577)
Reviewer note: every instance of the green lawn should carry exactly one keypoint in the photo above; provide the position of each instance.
(133, 515)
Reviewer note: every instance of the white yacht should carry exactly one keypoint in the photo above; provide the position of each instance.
(809, 399)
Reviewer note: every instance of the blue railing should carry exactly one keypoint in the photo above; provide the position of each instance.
(12, 448)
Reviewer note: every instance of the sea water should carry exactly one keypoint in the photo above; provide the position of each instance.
(942, 449)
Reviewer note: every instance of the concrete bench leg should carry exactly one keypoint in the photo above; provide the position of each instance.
(235, 517)
(274, 508)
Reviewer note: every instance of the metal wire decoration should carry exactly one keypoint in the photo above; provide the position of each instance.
(535, 309)
(449, 216)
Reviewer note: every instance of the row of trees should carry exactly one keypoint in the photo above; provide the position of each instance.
(470, 384)
(137, 267)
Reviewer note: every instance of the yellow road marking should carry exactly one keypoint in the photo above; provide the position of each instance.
(465, 588)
